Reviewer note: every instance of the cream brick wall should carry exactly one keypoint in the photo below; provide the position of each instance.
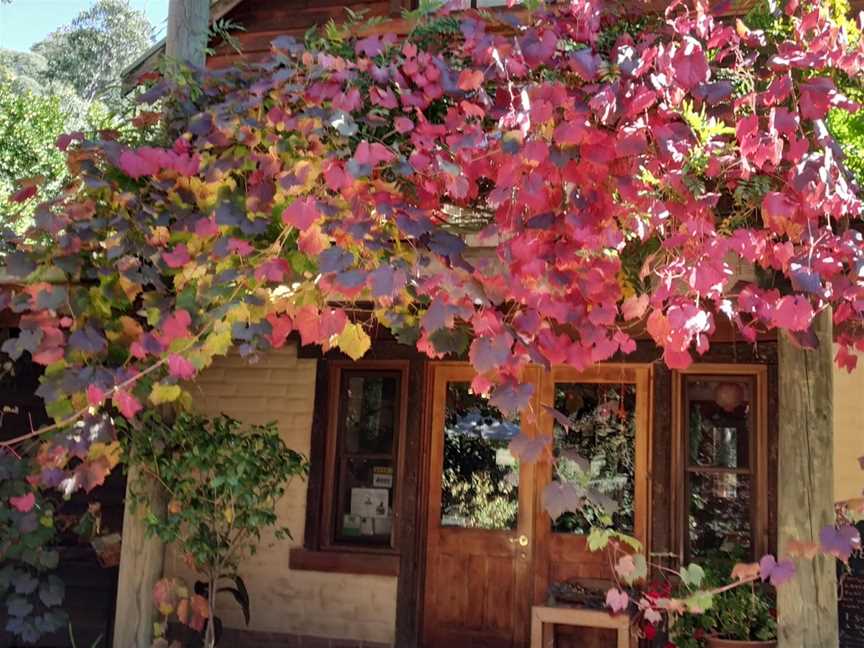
(848, 431)
(281, 387)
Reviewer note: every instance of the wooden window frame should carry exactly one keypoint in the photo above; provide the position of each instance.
(322, 552)
(331, 457)
(758, 373)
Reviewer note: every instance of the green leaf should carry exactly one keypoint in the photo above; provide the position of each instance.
(692, 575)
(598, 539)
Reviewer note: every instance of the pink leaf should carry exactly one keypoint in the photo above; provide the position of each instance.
(180, 367)
(175, 326)
(178, 257)
(301, 213)
(126, 403)
(634, 307)
(792, 313)
(616, 600)
(95, 396)
(23, 503)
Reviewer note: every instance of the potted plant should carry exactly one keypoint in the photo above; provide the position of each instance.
(743, 618)
(740, 617)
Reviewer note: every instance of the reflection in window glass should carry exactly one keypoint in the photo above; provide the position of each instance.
(480, 480)
(368, 417)
(718, 413)
(719, 416)
(719, 515)
(598, 453)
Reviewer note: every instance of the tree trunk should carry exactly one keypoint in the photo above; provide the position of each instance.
(141, 560)
(807, 606)
(188, 21)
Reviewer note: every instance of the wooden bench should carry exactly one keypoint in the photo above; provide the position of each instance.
(544, 617)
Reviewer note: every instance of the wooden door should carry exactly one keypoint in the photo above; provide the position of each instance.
(492, 552)
(479, 554)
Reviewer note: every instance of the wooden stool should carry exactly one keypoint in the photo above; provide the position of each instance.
(544, 617)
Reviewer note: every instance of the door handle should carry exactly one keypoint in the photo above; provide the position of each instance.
(522, 541)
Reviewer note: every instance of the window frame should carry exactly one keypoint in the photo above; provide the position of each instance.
(758, 447)
(333, 459)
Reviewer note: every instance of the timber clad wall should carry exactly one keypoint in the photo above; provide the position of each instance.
(280, 387)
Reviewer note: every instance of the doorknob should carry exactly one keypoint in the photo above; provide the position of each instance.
(522, 540)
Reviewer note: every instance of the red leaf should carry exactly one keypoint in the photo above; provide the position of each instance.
(23, 503)
(23, 194)
(634, 307)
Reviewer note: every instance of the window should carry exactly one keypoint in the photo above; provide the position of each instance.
(361, 471)
(597, 450)
(722, 436)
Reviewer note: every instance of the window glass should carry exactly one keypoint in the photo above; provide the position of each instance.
(597, 453)
(480, 481)
(718, 413)
(718, 519)
(719, 439)
(366, 452)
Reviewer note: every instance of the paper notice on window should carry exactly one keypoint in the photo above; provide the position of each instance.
(369, 502)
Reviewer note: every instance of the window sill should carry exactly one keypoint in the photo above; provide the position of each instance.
(344, 562)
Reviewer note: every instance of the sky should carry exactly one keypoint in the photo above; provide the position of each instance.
(25, 22)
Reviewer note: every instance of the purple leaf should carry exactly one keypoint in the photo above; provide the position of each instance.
(840, 542)
(776, 572)
(529, 449)
(510, 398)
(560, 497)
(88, 340)
(489, 353)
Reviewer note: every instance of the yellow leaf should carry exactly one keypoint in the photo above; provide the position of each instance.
(217, 343)
(164, 393)
(353, 340)
(229, 515)
(111, 451)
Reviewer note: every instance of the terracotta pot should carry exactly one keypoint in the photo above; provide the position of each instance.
(717, 642)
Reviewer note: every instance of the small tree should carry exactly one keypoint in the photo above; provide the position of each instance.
(223, 482)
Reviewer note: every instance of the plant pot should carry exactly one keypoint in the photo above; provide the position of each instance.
(717, 642)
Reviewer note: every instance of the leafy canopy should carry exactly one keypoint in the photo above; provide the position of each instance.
(92, 51)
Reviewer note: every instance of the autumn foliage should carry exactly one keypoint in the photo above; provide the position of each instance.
(522, 193)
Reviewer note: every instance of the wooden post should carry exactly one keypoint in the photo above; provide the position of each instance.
(188, 22)
(807, 606)
(142, 557)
